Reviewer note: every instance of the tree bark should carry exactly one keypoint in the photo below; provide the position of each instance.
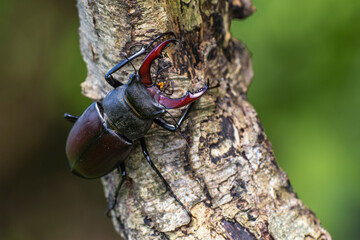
(226, 174)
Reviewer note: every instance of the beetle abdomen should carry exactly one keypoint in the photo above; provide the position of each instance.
(93, 149)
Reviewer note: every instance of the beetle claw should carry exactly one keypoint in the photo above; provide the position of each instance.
(188, 98)
(144, 70)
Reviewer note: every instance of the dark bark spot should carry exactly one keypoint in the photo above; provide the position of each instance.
(243, 154)
(227, 53)
(94, 21)
(218, 27)
(187, 167)
(215, 160)
(242, 205)
(233, 191)
(253, 214)
(273, 160)
(235, 231)
(95, 12)
(184, 69)
(238, 188)
(156, 233)
(241, 183)
(260, 138)
(227, 130)
(122, 227)
(212, 54)
(182, 6)
(194, 49)
(151, 30)
(94, 55)
(288, 187)
(239, 9)
(184, 232)
(225, 73)
(264, 229)
(148, 221)
(309, 236)
(208, 196)
(207, 203)
(277, 196)
(322, 237)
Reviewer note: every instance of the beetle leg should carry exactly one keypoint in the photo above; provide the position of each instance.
(115, 83)
(172, 88)
(152, 165)
(113, 201)
(171, 127)
(188, 98)
(110, 79)
(144, 70)
(70, 117)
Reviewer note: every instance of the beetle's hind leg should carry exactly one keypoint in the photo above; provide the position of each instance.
(152, 165)
(113, 201)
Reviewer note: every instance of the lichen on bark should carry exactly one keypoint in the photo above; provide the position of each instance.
(226, 174)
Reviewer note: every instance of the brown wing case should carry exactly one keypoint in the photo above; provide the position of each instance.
(93, 150)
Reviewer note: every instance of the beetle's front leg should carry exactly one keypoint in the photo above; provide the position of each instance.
(115, 83)
(171, 127)
(110, 79)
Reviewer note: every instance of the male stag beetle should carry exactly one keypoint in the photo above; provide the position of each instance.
(102, 137)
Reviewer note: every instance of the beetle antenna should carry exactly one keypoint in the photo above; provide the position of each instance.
(172, 88)
(124, 55)
(160, 70)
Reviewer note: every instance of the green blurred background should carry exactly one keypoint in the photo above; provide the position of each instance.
(306, 90)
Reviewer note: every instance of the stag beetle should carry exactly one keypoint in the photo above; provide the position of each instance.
(102, 137)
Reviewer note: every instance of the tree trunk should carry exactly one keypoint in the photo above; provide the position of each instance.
(226, 173)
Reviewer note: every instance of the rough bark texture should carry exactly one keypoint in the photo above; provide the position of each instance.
(226, 175)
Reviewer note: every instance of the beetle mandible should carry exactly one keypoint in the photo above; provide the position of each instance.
(102, 137)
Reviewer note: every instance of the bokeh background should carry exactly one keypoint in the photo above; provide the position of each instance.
(306, 89)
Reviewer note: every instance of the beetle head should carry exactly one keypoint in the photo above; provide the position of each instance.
(157, 89)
